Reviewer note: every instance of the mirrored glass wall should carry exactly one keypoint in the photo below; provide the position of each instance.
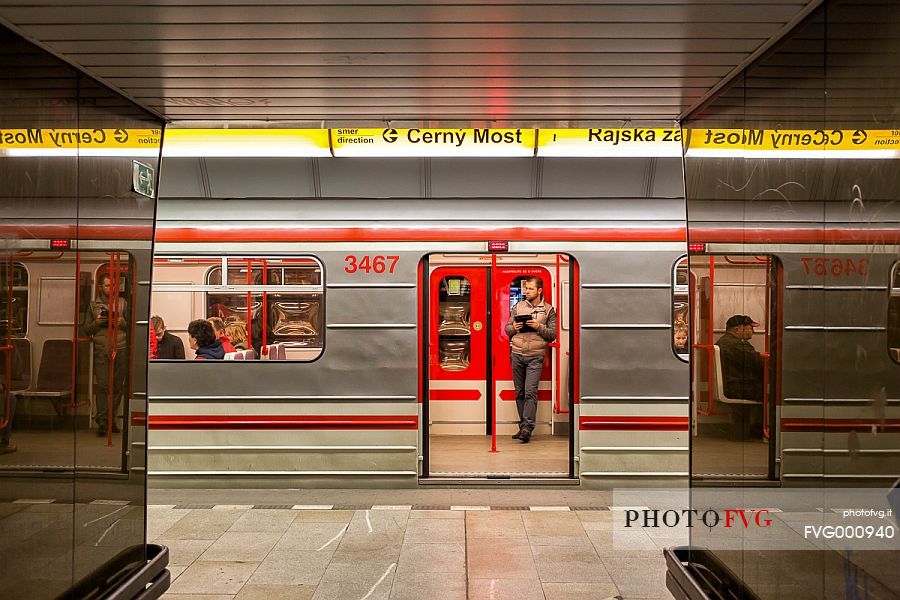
(792, 180)
(77, 172)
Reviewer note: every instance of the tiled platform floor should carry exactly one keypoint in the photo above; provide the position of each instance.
(240, 552)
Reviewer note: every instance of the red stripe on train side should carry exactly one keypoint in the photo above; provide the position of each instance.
(779, 235)
(231, 422)
(400, 234)
(463, 395)
(839, 425)
(84, 232)
(543, 395)
(599, 234)
(633, 423)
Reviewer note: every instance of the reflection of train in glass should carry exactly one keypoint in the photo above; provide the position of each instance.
(52, 367)
(397, 367)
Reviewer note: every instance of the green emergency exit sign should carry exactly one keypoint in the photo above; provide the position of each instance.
(142, 179)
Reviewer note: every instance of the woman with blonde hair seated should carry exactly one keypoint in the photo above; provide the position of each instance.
(237, 334)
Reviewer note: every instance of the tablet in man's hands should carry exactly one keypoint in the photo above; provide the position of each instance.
(522, 319)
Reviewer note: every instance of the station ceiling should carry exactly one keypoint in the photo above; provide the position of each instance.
(336, 63)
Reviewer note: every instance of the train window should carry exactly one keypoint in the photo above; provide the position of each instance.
(14, 299)
(893, 326)
(681, 316)
(266, 304)
(454, 334)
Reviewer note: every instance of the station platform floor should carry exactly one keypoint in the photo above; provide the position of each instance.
(434, 544)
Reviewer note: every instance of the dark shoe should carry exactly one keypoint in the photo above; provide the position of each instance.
(7, 448)
(101, 432)
(518, 435)
(525, 438)
(115, 429)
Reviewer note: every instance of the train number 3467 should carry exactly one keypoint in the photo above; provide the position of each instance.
(370, 264)
(835, 266)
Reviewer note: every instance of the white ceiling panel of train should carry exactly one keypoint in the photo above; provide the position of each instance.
(394, 60)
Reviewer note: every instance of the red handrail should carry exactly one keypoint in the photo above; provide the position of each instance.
(265, 303)
(759, 259)
(493, 379)
(765, 354)
(249, 301)
(75, 337)
(113, 338)
(7, 349)
(132, 268)
(557, 406)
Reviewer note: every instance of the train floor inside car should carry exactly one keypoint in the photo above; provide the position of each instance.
(447, 543)
(49, 449)
(717, 454)
(471, 456)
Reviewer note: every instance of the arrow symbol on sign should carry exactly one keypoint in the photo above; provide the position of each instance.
(389, 135)
(859, 136)
(120, 135)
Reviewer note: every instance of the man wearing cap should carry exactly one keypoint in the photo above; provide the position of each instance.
(742, 371)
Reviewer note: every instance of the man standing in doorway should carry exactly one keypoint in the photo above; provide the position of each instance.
(110, 346)
(531, 326)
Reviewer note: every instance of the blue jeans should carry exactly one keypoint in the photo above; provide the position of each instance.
(7, 431)
(526, 376)
(118, 384)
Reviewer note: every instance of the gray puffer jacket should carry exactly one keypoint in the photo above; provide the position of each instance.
(99, 330)
(532, 343)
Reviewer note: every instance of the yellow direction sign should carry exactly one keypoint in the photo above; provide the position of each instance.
(432, 142)
(44, 141)
(246, 142)
(621, 142)
(795, 143)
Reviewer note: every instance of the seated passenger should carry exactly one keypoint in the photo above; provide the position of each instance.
(219, 328)
(168, 346)
(237, 335)
(203, 341)
(743, 370)
(680, 340)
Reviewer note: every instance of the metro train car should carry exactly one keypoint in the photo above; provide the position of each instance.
(382, 321)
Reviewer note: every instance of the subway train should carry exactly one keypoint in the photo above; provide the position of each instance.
(382, 322)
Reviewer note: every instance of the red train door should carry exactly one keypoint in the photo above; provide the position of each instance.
(469, 376)
(458, 351)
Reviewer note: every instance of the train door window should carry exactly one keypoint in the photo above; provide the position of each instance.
(263, 301)
(14, 301)
(516, 294)
(681, 314)
(893, 325)
(454, 334)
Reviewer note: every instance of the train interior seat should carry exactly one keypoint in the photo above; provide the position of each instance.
(895, 354)
(239, 355)
(54, 380)
(20, 365)
(274, 352)
(718, 387)
(249, 354)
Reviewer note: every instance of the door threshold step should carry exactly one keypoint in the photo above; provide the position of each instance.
(496, 481)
